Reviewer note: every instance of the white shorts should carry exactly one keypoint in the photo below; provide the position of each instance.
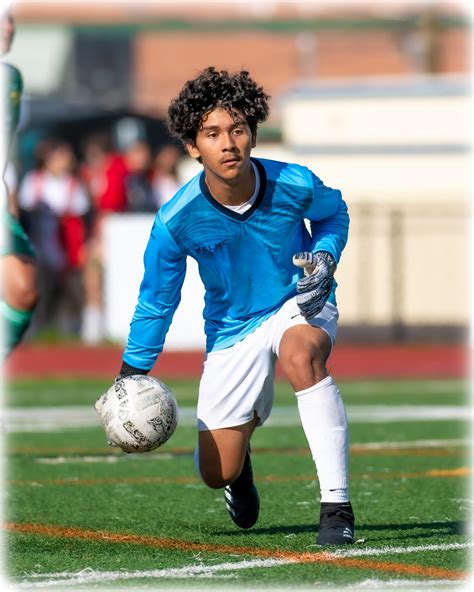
(238, 381)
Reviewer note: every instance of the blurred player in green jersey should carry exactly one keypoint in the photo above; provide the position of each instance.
(19, 293)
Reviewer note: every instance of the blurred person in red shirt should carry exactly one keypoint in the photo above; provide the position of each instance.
(104, 172)
(54, 205)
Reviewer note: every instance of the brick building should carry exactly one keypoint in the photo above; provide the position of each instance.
(149, 50)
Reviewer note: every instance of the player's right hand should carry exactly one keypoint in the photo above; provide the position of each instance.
(127, 370)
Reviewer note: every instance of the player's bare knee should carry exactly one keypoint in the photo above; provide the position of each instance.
(291, 358)
(20, 286)
(215, 479)
(23, 294)
(28, 298)
(218, 473)
(296, 361)
(305, 366)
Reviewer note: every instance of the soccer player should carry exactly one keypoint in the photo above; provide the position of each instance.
(19, 292)
(269, 293)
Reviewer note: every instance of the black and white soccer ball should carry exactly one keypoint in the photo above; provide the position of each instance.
(139, 413)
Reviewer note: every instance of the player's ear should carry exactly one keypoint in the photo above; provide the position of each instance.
(254, 139)
(192, 150)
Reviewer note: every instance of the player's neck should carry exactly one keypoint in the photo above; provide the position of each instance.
(232, 192)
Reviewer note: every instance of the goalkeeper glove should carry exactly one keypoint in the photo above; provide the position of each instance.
(127, 370)
(314, 288)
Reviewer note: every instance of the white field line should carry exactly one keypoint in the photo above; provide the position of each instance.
(438, 443)
(58, 418)
(354, 552)
(90, 576)
(168, 455)
(389, 413)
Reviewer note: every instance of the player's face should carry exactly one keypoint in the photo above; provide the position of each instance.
(224, 143)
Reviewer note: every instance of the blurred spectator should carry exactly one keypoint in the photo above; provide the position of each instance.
(53, 204)
(138, 183)
(165, 173)
(104, 172)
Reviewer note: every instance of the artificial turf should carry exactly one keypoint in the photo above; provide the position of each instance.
(74, 505)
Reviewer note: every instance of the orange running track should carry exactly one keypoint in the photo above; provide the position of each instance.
(348, 361)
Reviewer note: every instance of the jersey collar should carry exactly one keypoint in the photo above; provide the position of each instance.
(229, 213)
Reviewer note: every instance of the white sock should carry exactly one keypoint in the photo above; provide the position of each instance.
(324, 422)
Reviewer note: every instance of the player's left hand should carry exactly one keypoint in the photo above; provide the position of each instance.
(314, 288)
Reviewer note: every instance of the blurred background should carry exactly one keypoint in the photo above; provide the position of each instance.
(374, 97)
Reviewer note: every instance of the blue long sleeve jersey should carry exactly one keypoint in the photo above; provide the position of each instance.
(244, 260)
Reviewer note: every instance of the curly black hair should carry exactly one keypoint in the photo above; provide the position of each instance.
(213, 89)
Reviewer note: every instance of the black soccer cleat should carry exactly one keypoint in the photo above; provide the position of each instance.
(241, 497)
(336, 524)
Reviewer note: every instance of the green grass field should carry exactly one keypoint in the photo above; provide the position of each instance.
(81, 515)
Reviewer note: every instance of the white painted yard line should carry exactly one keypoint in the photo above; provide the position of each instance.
(102, 459)
(59, 418)
(354, 552)
(438, 443)
(390, 413)
(169, 455)
(90, 576)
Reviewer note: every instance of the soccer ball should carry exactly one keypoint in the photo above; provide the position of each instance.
(139, 413)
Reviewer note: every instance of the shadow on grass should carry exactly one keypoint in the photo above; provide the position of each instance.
(425, 530)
